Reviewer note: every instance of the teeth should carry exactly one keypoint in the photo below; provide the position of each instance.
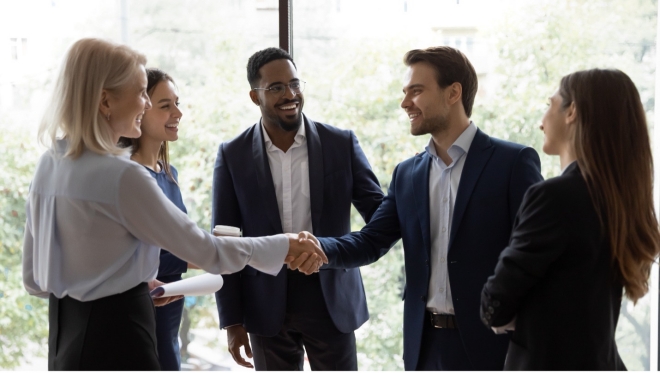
(288, 107)
(414, 115)
(171, 125)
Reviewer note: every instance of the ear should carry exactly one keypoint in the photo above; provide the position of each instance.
(571, 114)
(455, 92)
(254, 96)
(104, 105)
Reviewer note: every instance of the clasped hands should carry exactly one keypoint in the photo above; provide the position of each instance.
(305, 253)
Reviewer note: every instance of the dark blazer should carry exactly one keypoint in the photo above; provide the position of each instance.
(556, 277)
(495, 177)
(244, 196)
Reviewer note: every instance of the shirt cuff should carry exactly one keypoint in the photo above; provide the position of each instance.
(511, 326)
(268, 253)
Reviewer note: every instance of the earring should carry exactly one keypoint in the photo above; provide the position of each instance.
(108, 117)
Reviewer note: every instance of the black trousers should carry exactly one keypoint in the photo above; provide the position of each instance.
(442, 349)
(117, 332)
(307, 325)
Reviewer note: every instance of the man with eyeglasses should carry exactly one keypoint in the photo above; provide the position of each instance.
(288, 173)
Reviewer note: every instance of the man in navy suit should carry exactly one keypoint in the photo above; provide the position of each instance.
(288, 173)
(453, 205)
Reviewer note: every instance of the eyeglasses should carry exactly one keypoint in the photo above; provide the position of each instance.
(278, 90)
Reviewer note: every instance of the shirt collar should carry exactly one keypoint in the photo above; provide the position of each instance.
(459, 147)
(299, 140)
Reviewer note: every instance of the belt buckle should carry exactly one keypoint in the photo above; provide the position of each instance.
(433, 320)
(440, 325)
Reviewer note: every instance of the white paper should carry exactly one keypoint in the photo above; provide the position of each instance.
(192, 286)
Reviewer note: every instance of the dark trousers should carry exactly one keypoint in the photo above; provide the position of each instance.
(168, 320)
(442, 349)
(117, 332)
(307, 325)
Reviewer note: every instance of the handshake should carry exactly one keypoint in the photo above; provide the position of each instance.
(305, 253)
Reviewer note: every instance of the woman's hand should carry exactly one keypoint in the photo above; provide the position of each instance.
(159, 302)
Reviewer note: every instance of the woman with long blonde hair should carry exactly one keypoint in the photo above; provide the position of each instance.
(581, 240)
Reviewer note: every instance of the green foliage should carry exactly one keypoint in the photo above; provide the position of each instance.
(23, 318)
(539, 42)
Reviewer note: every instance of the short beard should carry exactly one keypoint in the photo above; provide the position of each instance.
(431, 125)
(290, 126)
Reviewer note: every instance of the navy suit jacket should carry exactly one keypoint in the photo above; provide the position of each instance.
(244, 196)
(495, 177)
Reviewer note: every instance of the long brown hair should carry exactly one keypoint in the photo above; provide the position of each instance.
(613, 152)
(154, 76)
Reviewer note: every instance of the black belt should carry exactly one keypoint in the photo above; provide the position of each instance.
(441, 321)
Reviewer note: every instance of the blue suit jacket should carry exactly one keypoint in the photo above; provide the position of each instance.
(495, 177)
(244, 196)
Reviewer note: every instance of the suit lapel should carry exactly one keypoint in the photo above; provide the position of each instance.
(265, 179)
(477, 157)
(420, 177)
(315, 164)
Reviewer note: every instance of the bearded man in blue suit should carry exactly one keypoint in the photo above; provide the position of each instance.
(453, 206)
(288, 173)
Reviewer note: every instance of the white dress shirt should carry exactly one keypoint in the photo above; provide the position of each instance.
(443, 185)
(290, 171)
(95, 225)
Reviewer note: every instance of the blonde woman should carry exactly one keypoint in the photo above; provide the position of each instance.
(96, 220)
(583, 238)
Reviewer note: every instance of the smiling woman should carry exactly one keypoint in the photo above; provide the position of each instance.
(129, 105)
(159, 127)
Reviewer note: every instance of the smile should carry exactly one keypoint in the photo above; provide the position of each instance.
(289, 106)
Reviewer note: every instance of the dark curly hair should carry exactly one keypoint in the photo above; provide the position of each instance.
(263, 57)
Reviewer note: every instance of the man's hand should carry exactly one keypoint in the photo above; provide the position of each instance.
(159, 302)
(304, 254)
(236, 337)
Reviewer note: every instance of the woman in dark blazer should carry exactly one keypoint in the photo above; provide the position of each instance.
(582, 238)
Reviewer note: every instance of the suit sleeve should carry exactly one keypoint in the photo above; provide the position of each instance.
(536, 242)
(372, 242)
(225, 211)
(367, 193)
(526, 172)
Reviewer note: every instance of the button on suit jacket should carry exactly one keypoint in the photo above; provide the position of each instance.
(244, 196)
(495, 177)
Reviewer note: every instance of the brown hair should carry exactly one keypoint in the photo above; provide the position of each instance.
(451, 66)
(613, 152)
(154, 76)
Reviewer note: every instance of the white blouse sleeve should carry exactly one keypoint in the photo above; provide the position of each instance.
(153, 219)
(28, 258)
